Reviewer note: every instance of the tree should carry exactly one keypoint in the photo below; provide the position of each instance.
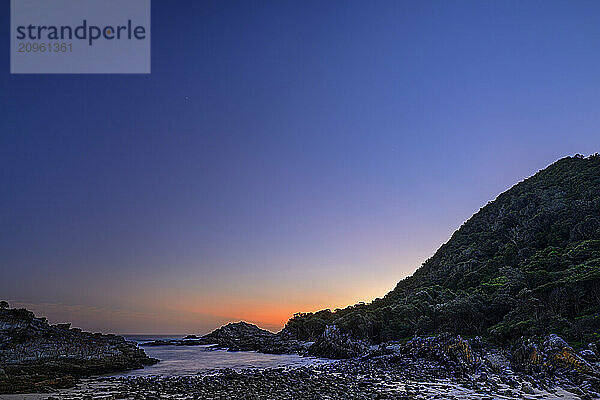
(3, 305)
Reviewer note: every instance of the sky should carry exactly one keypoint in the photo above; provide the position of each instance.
(282, 156)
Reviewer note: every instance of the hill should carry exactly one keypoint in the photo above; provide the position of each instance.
(526, 264)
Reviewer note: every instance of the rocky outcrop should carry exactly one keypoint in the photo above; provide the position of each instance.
(553, 354)
(240, 336)
(553, 361)
(238, 330)
(527, 357)
(333, 344)
(453, 352)
(37, 356)
(561, 355)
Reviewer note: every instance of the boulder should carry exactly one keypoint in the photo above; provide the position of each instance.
(333, 344)
(445, 348)
(527, 357)
(561, 355)
(496, 361)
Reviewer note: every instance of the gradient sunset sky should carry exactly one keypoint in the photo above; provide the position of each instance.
(283, 156)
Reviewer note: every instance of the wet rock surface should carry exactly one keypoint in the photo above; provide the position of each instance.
(36, 356)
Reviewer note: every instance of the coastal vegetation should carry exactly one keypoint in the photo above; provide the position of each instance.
(527, 264)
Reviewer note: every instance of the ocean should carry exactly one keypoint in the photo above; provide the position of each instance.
(193, 360)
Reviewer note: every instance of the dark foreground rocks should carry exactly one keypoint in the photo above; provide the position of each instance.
(527, 365)
(381, 377)
(38, 357)
(441, 367)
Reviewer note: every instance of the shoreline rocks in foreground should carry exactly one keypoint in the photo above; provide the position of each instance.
(546, 364)
(38, 357)
(426, 368)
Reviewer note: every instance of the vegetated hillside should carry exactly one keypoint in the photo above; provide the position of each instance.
(526, 264)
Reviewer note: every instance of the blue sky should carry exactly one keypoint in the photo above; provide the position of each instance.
(282, 156)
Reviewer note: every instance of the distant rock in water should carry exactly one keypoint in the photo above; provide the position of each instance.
(36, 356)
(238, 330)
(240, 336)
(191, 337)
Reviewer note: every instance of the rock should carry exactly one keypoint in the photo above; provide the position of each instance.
(561, 355)
(333, 344)
(588, 355)
(158, 343)
(36, 356)
(238, 330)
(460, 349)
(496, 361)
(452, 351)
(527, 357)
(240, 336)
(527, 389)
(191, 337)
(554, 342)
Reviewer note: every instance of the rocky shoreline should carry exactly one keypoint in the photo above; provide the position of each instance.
(446, 368)
(526, 367)
(38, 357)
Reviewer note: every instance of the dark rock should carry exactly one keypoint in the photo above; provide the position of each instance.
(496, 361)
(452, 351)
(527, 389)
(238, 330)
(36, 356)
(158, 343)
(240, 336)
(561, 355)
(527, 357)
(588, 355)
(191, 337)
(333, 344)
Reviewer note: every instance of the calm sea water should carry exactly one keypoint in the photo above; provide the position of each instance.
(192, 360)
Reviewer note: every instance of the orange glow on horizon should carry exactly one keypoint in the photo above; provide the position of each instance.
(271, 316)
